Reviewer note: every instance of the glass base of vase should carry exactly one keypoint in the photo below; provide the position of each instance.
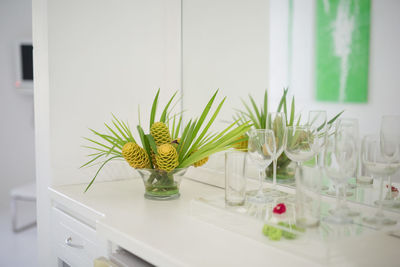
(339, 216)
(153, 196)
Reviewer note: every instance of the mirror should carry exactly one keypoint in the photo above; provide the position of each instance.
(244, 47)
(225, 46)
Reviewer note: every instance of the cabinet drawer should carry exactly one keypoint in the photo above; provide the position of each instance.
(73, 241)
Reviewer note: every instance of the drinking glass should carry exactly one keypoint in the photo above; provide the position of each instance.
(235, 180)
(348, 128)
(390, 147)
(351, 126)
(340, 162)
(261, 150)
(276, 121)
(377, 165)
(318, 120)
(300, 147)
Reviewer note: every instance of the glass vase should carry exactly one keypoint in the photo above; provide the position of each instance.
(162, 185)
(285, 170)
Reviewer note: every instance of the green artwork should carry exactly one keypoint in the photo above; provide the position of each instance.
(342, 50)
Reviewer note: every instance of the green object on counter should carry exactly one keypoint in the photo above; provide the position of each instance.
(276, 234)
(273, 233)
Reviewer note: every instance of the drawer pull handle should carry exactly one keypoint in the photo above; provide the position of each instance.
(69, 243)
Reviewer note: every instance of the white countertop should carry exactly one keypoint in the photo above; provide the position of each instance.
(165, 234)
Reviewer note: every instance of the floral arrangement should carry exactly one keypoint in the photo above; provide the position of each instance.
(169, 145)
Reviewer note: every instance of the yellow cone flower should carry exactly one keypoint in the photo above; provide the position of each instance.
(167, 157)
(200, 162)
(241, 145)
(160, 133)
(135, 156)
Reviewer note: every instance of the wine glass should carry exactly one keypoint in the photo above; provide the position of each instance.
(340, 162)
(261, 150)
(351, 126)
(318, 119)
(377, 165)
(276, 121)
(347, 128)
(300, 147)
(390, 147)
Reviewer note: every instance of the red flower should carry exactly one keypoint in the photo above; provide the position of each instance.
(280, 208)
(394, 189)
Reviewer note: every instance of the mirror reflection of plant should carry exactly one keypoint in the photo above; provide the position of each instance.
(301, 140)
(166, 147)
(258, 117)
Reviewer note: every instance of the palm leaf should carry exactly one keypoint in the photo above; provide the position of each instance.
(164, 113)
(291, 113)
(98, 171)
(154, 108)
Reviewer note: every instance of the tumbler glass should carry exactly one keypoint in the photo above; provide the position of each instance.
(235, 180)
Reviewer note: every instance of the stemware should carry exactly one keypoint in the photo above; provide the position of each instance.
(261, 150)
(390, 148)
(347, 129)
(318, 120)
(300, 147)
(377, 165)
(276, 121)
(350, 125)
(340, 162)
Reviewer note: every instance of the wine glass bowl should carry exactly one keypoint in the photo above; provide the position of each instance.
(261, 147)
(390, 137)
(300, 143)
(317, 119)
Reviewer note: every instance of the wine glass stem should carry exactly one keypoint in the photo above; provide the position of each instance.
(260, 181)
(339, 196)
(379, 212)
(274, 175)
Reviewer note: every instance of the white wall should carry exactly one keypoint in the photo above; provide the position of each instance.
(384, 78)
(17, 164)
(225, 46)
(106, 57)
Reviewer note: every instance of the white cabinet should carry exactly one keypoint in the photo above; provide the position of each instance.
(74, 242)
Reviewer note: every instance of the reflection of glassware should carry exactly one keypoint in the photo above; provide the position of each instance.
(376, 164)
(276, 121)
(318, 120)
(339, 163)
(235, 180)
(300, 147)
(350, 125)
(348, 129)
(261, 150)
(390, 147)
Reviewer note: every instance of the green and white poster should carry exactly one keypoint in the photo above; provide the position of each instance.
(342, 50)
